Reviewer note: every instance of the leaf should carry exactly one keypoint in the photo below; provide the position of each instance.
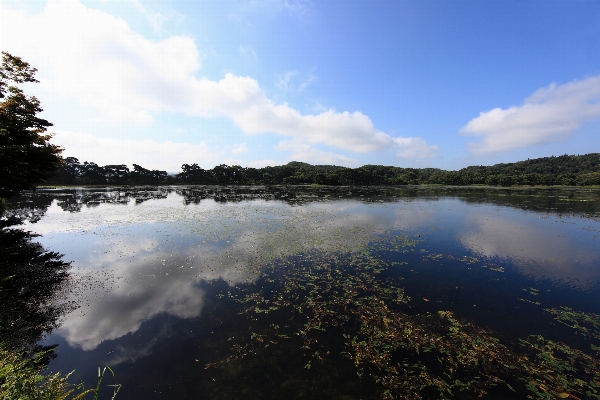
(563, 395)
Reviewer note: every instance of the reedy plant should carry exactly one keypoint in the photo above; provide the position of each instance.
(21, 378)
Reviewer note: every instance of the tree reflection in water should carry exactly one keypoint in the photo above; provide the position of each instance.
(30, 279)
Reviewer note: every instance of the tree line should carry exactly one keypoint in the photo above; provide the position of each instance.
(27, 158)
(569, 170)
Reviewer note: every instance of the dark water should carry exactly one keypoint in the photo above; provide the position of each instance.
(156, 272)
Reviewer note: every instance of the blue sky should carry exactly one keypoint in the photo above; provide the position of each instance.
(442, 84)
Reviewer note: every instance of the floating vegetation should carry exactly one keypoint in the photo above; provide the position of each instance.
(556, 370)
(535, 303)
(532, 291)
(332, 304)
(586, 324)
(321, 292)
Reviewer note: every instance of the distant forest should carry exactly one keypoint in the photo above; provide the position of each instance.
(580, 170)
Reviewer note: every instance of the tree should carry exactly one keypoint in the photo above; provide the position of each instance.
(141, 175)
(26, 156)
(194, 174)
(92, 173)
(68, 173)
(116, 174)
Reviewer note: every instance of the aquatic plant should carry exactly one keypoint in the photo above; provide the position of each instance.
(558, 370)
(22, 378)
(328, 298)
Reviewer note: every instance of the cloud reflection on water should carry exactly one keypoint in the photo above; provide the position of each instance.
(153, 258)
(533, 246)
(156, 268)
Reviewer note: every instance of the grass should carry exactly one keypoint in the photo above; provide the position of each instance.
(21, 378)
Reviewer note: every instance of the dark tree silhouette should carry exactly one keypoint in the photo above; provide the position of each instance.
(30, 277)
(27, 157)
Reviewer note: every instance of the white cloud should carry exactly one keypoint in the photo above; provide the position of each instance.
(264, 163)
(98, 60)
(311, 78)
(284, 80)
(306, 153)
(549, 114)
(414, 148)
(240, 148)
(248, 52)
(155, 19)
(95, 58)
(231, 161)
(166, 156)
(300, 9)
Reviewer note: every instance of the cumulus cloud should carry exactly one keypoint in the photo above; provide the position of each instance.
(95, 58)
(166, 156)
(240, 148)
(154, 18)
(549, 114)
(98, 60)
(264, 163)
(415, 148)
(303, 151)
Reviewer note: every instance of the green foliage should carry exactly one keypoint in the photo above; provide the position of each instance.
(563, 170)
(586, 324)
(14, 70)
(26, 156)
(96, 391)
(558, 370)
(592, 178)
(145, 176)
(547, 171)
(21, 378)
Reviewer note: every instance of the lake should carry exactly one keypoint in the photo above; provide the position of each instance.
(326, 292)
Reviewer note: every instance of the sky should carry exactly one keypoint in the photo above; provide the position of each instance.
(443, 84)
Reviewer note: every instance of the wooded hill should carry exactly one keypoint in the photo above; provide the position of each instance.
(568, 170)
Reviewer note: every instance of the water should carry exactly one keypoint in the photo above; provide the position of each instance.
(159, 274)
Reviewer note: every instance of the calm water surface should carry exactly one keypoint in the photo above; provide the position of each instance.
(156, 271)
